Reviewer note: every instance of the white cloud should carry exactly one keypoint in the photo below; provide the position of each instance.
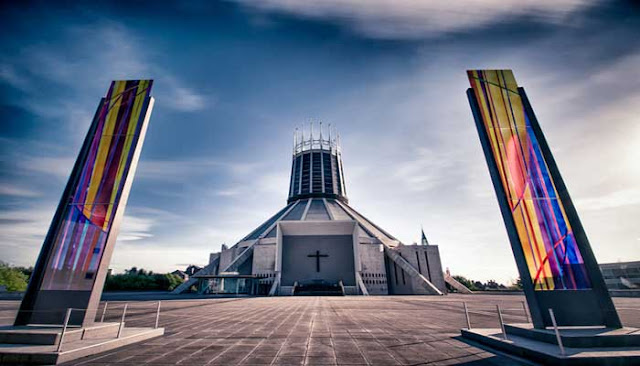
(10, 190)
(97, 54)
(230, 192)
(187, 100)
(59, 167)
(624, 197)
(136, 228)
(425, 169)
(418, 18)
(21, 234)
(9, 75)
(182, 169)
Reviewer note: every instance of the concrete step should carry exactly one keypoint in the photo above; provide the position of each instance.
(49, 335)
(549, 354)
(319, 293)
(580, 337)
(456, 284)
(29, 354)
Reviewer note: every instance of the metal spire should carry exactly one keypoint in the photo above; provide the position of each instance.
(424, 237)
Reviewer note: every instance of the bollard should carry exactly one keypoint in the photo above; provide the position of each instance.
(504, 333)
(466, 315)
(64, 328)
(526, 313)
(104, 311)
(157, 315)
(124, 312)
(555, 329)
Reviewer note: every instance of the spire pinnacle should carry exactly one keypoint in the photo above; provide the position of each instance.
(424, 237)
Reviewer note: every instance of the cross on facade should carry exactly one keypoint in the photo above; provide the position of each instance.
(317, 256)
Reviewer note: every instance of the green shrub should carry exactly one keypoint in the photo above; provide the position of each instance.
(140, 280)
(14, 279)
(467, 282)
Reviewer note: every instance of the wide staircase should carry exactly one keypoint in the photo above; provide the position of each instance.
(459, 287)
(318, 288)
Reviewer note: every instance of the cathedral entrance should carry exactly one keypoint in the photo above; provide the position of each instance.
(317, 258)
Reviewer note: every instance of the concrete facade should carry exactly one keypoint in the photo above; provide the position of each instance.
(355, 253)
(302, 261)
(363, 257)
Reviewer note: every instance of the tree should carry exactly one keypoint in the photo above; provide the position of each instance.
(517, 284)
(490, 285)
(467, 282)
(135, 279)
(13, 279)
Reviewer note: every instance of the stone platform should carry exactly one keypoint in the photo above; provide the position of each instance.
(582, 345)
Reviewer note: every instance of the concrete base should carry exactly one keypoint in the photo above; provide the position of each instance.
(37, 345)
(583, 345)
(49, 335)
(579, 337)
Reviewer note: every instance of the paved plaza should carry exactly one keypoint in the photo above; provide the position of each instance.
(389, 330)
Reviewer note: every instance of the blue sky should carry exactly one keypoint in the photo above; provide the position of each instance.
(233, 79)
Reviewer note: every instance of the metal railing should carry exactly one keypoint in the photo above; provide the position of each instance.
(557, 332)
(64, 329)
(499, 312)
(504, 333)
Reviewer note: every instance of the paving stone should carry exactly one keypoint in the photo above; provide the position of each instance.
(287, 360)
(320, 361)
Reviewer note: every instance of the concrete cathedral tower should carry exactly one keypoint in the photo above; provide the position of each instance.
(318, 244)
(316, 168)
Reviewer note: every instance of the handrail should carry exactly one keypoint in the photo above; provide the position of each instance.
(120, 328)
(64, 329)
(466, 315)
(361, 285)
(275, 285)
(504, 332)
(557, 332)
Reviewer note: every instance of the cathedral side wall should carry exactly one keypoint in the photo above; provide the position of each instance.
(374, 274)
(213, 257)
(435, 268)
(399, 282)
(264, 258)
(226, 256)
(425, 259)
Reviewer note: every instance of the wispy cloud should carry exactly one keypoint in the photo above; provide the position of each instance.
(418, 19)
(14, 191)
(425, 170)
(183, 98)
(113, 51)
(9, 75)
(624, 197)
(183, 169)
(136, 228)
(21, 234)
(59, 167)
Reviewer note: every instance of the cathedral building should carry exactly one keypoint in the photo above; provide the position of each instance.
(318, 244)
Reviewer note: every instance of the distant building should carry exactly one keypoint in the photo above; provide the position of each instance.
(180, 274)
(192, 269)
(187, 273)
(621, 275)
(318, 244)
